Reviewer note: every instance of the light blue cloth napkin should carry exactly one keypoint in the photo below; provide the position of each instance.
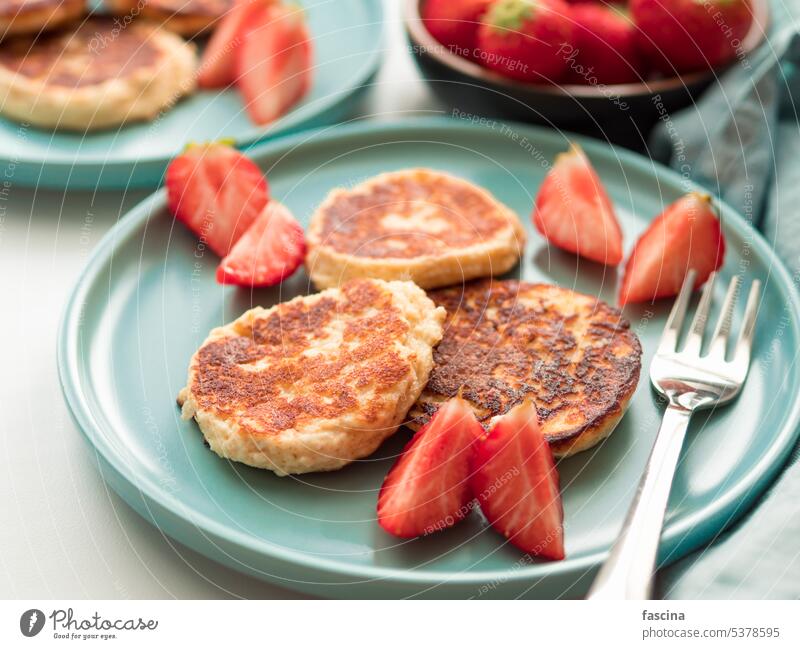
(742, 142)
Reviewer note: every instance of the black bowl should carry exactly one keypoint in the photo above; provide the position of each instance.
(471, 88)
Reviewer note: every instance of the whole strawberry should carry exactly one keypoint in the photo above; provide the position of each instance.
(689, 35)
(527, 39)
(606, 46)
(454, 23)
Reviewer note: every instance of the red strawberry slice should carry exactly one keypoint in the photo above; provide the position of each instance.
(515, 481)
(269, 252)
(428, 488)
(217, 192)
(274, 62)
(573, 210)
(218, 65)
(686, 235)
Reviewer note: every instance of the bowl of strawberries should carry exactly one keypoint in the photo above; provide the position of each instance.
(579, 63)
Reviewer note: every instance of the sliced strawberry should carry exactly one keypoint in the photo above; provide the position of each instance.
(428, 488)
(274, 62)
(217, 192)
(573, 210)
(269, 252)
(218, 65)
(686, 235)
(515, 481)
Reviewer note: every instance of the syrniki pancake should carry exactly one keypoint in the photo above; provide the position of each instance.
(573, 354)
(94, 77)
(418, 224)
(33, 16)
(317, 382)
(185, 17)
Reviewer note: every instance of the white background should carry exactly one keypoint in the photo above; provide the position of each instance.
(63, 533)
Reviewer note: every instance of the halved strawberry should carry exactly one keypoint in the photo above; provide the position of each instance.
(218, 65)
(686, 235)
(269, 252)
(573, 210)
(428, 488)
(274, 62)
(217, 192)
(515, 481)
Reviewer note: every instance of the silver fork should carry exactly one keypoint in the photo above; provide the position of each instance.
(689, 382)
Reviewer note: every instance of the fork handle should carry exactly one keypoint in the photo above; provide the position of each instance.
(630, 568)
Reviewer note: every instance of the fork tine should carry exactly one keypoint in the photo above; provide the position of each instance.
(694, 341)
(745, 341)
(719, 342)
(669, 339)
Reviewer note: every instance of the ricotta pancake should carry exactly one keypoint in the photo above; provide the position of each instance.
(33, 16)
(185, 17)
(418, 224)
(576, 356)
(317, 382)
(96, 76)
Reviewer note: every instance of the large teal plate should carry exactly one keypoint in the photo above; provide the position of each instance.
(148, 297)
(348, 47)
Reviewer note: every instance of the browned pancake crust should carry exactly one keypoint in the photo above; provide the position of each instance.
(226, 383)
(463, 216)
(574, 355)
(32, 16)
(186, 17)
(95, 52)
(210, 8)
(10, 8)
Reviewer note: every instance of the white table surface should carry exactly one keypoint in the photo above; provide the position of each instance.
(63, 533)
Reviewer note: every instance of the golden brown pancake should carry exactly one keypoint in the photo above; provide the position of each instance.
(576, 356)
(32, 16)
(71, 60)
(185, 17)
(96, 76)
(427, 226)
(317, 382)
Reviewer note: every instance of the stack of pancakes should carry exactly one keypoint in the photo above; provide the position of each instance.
(63, 68)
(320, 381)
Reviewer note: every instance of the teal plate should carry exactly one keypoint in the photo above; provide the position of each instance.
(348, 44)
(148, 297)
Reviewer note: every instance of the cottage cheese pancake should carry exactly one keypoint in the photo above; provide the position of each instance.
(32, 16)
(418, 224)
(185, 17)
(573, 354)
(317, 382)
(94, 77)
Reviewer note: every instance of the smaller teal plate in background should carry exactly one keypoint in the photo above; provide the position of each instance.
(148, 298)
(348, 42)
